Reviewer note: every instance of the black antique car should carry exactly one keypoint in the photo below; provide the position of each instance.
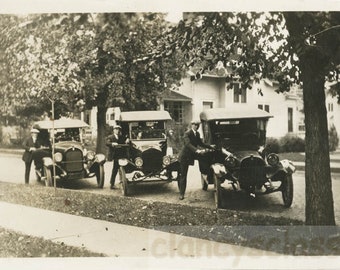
(68, 158)
(145, 158)
(240, 157)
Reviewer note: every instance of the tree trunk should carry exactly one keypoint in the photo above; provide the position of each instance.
(319, 198)
(101, 117)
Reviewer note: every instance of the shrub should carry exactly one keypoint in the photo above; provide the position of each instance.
(292, 143)
(272, 145)
(333, 138)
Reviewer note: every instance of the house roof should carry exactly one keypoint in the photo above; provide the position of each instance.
(172, 95)
(233, 113)
(144, 116)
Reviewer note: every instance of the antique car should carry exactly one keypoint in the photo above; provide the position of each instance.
(69, 158)
(240, 158)
(145, 158)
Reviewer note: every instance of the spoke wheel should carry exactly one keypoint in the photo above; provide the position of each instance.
(38, 176)
(100, 175)
(218, 192)
(48, 177)
(287, 190)
(124, 181)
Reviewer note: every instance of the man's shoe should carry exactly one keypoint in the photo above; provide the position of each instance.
(181, 197)
(112, 187)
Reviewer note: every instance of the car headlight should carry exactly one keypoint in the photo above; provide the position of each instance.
(166, 160)
(90, 155)
(58, 157)
(273, 159)
(139, 162)
(230, 162)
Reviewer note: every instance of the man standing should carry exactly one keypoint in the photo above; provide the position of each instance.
(112, 141)
(30, 144)
(189, 153)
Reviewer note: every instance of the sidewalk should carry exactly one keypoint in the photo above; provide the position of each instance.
(113, 239)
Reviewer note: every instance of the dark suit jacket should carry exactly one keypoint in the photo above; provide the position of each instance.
(27, 144)
(112, 151)
(191, 144)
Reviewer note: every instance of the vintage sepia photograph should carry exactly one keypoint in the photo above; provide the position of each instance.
(152, 135)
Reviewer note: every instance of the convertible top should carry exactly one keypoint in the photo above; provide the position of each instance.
(60, 123)
(144, 116)
(233, 113)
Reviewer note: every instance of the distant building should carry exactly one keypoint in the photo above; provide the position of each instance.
(212, 91)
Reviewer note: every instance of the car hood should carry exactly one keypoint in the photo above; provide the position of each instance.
(143, 145)
(68, 144)
(240, 155)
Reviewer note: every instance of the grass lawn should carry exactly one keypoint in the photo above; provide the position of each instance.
(301, 157)
(293, 156)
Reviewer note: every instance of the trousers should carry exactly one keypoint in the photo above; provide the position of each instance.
(115, 169)
(28, 165)
(184, 167)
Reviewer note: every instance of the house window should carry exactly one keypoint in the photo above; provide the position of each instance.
(240, 94)
(330, 107)
(302, 128)
(264, 107)
(175, 108)
(112, 116)
(290, 119)
(207, 105)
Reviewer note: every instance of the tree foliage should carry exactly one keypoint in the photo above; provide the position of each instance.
(111, 52)
(39, 66)
(85, 60)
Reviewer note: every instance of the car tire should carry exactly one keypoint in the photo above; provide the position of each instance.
(218, 192)
(100, 175)
(287, 190)
(123, 181)
(48, 177)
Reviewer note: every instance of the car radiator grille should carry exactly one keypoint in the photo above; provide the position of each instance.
(152, 160)
(73, 160)
(252, 171)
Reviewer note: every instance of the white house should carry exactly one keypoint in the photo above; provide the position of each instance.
(211, 91)
(333, 110)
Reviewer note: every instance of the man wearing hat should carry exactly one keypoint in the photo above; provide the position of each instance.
(30, 144)
(189, 153)
(111, 142)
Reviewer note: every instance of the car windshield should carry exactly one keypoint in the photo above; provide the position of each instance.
(145, 130)
(239, 134)
(67, 134)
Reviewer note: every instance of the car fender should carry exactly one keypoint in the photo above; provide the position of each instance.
(284, 167)
(218, 169)
(125, 162)
(100, 158)
(173, 166)
(48, 162)
(288, 166)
